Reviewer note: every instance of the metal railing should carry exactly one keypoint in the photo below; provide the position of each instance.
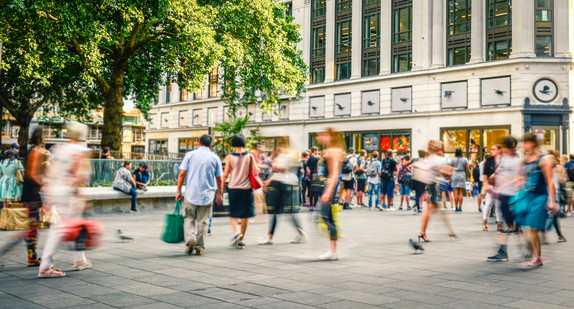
(163, 172)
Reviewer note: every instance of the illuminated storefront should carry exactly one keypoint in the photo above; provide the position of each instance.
(475, 142)
(399, 141)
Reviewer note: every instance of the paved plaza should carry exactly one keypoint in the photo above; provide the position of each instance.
(377, 268)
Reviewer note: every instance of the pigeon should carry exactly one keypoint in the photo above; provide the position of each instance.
(404, 99)
(314, 108)
(416, 246)
(284, 107)
(448, 93)
(340, 106)
(122, 237)
(499, 92)
(370, 103)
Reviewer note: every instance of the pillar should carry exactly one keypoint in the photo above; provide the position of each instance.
(356, 39)
(523, 30)
(330, 42)
(386, 30)
(438, 34)
(478, 31)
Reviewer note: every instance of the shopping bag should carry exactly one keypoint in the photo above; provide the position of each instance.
(14, 219)
(173, 232)
(85, 233)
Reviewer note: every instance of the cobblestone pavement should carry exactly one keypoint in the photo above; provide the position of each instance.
(377, 268)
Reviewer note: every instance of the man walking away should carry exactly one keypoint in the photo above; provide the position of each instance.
(348, 178)
(202, 172)
(361, 177)
(389, 167)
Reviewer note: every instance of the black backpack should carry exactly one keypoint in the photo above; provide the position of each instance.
(570, 172)
(347, 165)
(386, 173)
(360, 163)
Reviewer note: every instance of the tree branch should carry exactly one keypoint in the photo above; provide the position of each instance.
(151, 38)
(146, 28)
(133, 35)
(102, 83)
(105, 49)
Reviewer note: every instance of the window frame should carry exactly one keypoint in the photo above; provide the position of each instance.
(498, 34)
(400, 48)
(371, 9)
(343, 56)
(317, 59)
(456, 41)
(544, 28)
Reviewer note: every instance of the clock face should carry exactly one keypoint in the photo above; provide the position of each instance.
(545, 90)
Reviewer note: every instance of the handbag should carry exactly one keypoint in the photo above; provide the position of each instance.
(19, 175)
(256, 181)
(173, 232)
(85, 233)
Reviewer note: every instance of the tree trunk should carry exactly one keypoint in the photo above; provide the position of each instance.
(113, 115)
(24, 121)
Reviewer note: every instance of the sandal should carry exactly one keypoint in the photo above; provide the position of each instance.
(51, 273)
(423, 237)
(82, 265)
(34, 263)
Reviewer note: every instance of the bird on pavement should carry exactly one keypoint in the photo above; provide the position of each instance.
(416, 246)
(122, 237)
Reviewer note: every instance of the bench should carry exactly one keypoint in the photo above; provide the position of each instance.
(106, 199)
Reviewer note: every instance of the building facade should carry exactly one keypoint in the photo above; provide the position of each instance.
(393, 74)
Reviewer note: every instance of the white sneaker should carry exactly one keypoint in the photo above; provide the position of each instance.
(235, 239)
(266, 241)
(301, 238)
(329, 256)
(392, 209)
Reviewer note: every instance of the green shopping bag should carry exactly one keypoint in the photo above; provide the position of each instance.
(173, 232)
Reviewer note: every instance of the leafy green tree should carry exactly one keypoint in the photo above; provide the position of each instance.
(35, 74)
(129, 48)
(235, 125)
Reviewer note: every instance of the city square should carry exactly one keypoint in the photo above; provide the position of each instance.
(377, 268)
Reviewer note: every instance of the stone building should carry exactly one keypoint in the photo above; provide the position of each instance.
(393, 74)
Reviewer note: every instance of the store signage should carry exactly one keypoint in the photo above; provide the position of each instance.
(371, 141)
(370, 102)
(495, 91)
(343, 104)
(401, 99)
(454, 95)
(317, 107)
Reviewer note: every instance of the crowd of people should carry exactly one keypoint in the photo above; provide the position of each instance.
(526, 190)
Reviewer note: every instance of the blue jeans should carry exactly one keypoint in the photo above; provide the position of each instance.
(142, 178)
(134, 195)
(374, 189)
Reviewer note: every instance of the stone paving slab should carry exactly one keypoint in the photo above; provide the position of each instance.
(377, 268)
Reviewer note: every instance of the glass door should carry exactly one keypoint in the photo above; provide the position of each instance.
(548, 136)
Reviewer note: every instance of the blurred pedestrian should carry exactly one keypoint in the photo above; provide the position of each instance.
(334, 155)
(106, 154)
(361, 176)
(201, 169)
(240, 165)
(69, 171)
(10, 190)
(124, 182)
(304, 179)
(317, 169)
(439, 170)
(348, 178)
(419, 184)
(460, 176)
(569, 168)
(388, 169)
(374, 180)
(490, 166)
(282, 194)
(404, 177)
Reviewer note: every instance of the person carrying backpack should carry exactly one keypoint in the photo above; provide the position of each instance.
(348, 177)
(373, 171)
(569, 168)
(388, 169)
(361, 176)
(404, 177)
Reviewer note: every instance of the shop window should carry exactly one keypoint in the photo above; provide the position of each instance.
(158, 147)
(188, 144)
(474, 142)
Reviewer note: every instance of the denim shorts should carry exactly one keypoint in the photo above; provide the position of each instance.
(405, 190)
(388, 188)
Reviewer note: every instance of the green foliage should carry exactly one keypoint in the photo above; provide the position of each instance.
(129, 48)
(236, 125)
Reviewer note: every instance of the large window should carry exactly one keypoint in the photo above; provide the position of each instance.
(474, 142)
(214, 83)
(544, 28)
(318, 23)
(458, 37)
(402, 35)
(499, 29)
(371, 37)
(187, 144)
(343, 39)
(158, 147)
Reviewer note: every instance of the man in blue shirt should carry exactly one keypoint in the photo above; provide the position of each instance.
(201, 170)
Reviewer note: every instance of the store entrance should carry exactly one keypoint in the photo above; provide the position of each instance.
(549, 136)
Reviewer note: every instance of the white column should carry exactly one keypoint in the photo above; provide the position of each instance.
(562, 26)
(330, 42)
(422, 35)
(478, 31)
(438, 34)
(357, 39)
(386, 30)
(523, 30)
(302, 15)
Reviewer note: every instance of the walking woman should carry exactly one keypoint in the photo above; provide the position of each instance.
(10, 190)
(69, 170)
(459, 177)
(333, 145)
(239, 165)
(36, 163)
